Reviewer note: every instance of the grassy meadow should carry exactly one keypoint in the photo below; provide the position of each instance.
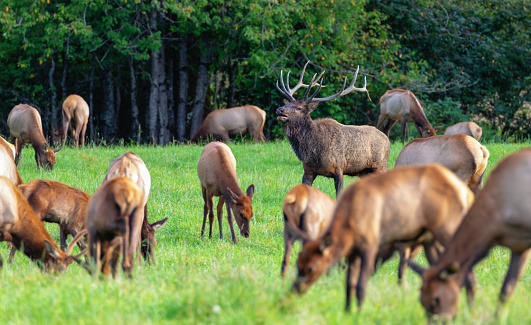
(212, 281)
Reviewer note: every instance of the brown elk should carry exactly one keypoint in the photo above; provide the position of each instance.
(307, 214)
(75, 117)
(402, 105)
(221, 124)
(115, 210)
(217, 173)
(25, 126)
(468, 128)
(132, 166)
(324, 146)
(379, 210)
(460, 153)
(20, 226)
(501, 215)
(7, 162)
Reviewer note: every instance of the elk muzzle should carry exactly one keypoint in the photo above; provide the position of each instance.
(281, 115)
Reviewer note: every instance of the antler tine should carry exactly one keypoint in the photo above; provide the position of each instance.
(284, 93)
(343, 90)
(74, 241)
(308, 89)
(315, 93)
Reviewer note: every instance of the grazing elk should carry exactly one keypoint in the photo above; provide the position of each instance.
(132, 166)
(460, 153)
(25, 126)
(20, 226)
(401, 104)
(324, 146)
(221, 124)
(75, 117)
(379, 210)
(501, 215)
(115, 210)
(468, 128)
(7, 162)
(307, 214)
(217, 173)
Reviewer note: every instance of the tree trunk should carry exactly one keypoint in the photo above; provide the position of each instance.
(117, 104)
(164, 137)
(154, 92)
(135, 131)
(183, 88)
(232, 84)
(109, 122)
(169, 91)
(53, 100)
(201, 88)
(63, 79)
(91, 103)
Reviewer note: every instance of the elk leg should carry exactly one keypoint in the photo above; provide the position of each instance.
(381, 120)
(405, 251)
(405, 130)
(338, 182)
(353, 270)
(388, 125)
(516, 268)
(77, 132)
(470, 285)
(105, 267)
(288, 246)
(430, 249)
(368, 256)
(205, 209)
(308, 178)
(63, 234)
(12, 253)
(66, 125)
(231, 223)
(220, 215)
(83, 130)
(210, 215)
(19, 144)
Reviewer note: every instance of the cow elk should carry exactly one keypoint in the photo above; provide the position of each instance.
(324, 146)
(222, 124)
(115, 213)
(7, 162)
(501, 215)
(468, 128)
(402, 205)
(307, 214)
(462, 154)
(402, 105)
(75, 117)
(132, 166)
(25, 126)
(20, 226)
(217, 173)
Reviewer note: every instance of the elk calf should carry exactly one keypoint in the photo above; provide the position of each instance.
(115, 210)
(501, 215)
(25, 126)
(20, 226)
(307, 214)
(462, 154)
(8, 168)
(132, 166)
(217, 173)
(221, 124)
(468, 128)
(75, 117)
(379, 210)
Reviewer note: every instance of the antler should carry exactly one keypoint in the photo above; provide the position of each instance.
(288, 92)
(342, 92)
(74, 241)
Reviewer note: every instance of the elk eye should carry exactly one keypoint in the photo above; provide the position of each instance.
(241, 215)
(437, 301)
(299, 108)
(310, 270)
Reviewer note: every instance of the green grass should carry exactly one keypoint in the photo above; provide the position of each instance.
(205, 281)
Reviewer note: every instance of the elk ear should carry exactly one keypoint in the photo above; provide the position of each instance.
(52, 250)
(438, 128)
(250, 191)
(57, 150)
(450, 270)
(286, 102)
(415, 267)
(312, 106)
(157, 225)
(233, 196)
(324, 245)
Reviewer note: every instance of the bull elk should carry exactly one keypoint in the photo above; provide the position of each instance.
(7, 162)
(216, 170)
(501, 215)
(75, 117)
(222, 124)
(401, 205)
(25, 126)
(402, 105)
(307, 214)
(115, 213)
(462, 154)
(20, 226)
(324, 146)
(468, 128)
(132, 166)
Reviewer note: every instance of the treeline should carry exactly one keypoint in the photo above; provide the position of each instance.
(151, 70)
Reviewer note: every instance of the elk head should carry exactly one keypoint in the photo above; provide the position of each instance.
(314, 259)
(57, 137)
(46, 157)
(242, 209)
(430, 132)
(149, 241)
(61, 260)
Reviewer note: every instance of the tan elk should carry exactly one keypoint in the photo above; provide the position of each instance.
(20, 226)
(399, 206)
(307, 214)
(115, 213)
(75, 118)
(7, 162)
(217, 173)
(460, 153)
(468, 128)
(501, 215)
(324, 146)
(132, 166)
(222, 124)
(402, 105)
(25, 126)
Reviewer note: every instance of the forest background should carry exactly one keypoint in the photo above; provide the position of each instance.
(151, 70)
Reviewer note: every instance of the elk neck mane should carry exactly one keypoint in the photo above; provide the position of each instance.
(305, 137)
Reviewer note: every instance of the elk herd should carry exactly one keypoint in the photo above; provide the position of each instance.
(433, 198)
